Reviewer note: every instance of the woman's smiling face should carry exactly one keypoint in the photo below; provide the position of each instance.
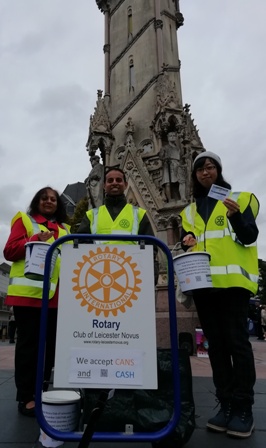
(48, 203)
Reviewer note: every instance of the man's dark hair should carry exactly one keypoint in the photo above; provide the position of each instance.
(60, 213)
(198, 190)
(114, 168)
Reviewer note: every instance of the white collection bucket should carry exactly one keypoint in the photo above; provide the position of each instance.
(61, 410)
(35, 259)
(193, 271)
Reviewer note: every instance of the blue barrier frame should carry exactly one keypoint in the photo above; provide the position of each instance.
(109, 436)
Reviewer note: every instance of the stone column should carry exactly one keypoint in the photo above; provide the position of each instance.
(106, 50)
(159, 34)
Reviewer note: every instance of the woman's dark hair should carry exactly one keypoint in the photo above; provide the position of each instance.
(198, 190)
(60, 213)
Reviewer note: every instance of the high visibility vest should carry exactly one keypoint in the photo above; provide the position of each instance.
(21, 286)
(126, 223)
(232, 263)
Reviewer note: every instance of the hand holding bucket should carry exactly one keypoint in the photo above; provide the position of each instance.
(190, 241)
(45, 236)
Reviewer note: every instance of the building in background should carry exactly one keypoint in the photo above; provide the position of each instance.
(141, 124)
(71, 196)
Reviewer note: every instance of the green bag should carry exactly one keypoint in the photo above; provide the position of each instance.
(149, 410)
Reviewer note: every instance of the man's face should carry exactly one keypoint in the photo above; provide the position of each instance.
(114, 183)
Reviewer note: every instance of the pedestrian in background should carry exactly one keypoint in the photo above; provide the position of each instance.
(227, 230)
(263, 320)
(12, 327)
(258, 324)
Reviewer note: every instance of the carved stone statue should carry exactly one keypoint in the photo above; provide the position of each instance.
(174, 169)
(94, 182)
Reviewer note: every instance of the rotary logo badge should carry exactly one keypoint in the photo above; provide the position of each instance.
(124, 223)
(219, 220)
(106, 281)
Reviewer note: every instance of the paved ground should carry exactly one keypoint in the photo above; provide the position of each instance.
(18, 431)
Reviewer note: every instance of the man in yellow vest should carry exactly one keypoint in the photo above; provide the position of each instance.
(116, 216)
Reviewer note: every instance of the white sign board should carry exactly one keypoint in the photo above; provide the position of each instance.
(106, 332)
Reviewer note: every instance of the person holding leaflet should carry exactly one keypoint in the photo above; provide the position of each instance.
(227, 230)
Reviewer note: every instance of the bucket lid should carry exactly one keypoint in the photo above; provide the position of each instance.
(60, 396)
(189, 254)
(31, 243)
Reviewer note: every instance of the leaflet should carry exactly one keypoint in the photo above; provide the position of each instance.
(218, 192)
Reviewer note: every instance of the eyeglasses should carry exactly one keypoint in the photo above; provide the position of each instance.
(207, 168)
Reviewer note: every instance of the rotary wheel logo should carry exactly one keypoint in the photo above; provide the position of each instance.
(219, 221)
(124, 223)
(106, 281)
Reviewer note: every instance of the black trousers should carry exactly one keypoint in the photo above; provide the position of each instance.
(223, 315)
(26, 354)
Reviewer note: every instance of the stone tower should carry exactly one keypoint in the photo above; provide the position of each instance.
(140, 122)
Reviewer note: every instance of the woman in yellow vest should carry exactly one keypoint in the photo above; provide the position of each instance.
(43, 222)
(228, 231)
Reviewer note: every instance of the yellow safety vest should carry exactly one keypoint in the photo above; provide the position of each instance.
(232, 263)
(21, 286)
(126, 223)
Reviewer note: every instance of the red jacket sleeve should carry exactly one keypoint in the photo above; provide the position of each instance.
(15, 246)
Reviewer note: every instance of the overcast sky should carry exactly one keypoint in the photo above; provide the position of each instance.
(52, 65)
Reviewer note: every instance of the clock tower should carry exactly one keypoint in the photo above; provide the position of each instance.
(140, 122)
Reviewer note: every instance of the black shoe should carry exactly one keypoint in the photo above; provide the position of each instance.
(241, 424)
(219, 422)
(24, 411)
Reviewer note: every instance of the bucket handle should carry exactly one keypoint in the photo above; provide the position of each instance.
(93, 419)
(176, 247)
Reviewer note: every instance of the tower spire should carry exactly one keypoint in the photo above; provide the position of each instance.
(143, 92)
(140, 122)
